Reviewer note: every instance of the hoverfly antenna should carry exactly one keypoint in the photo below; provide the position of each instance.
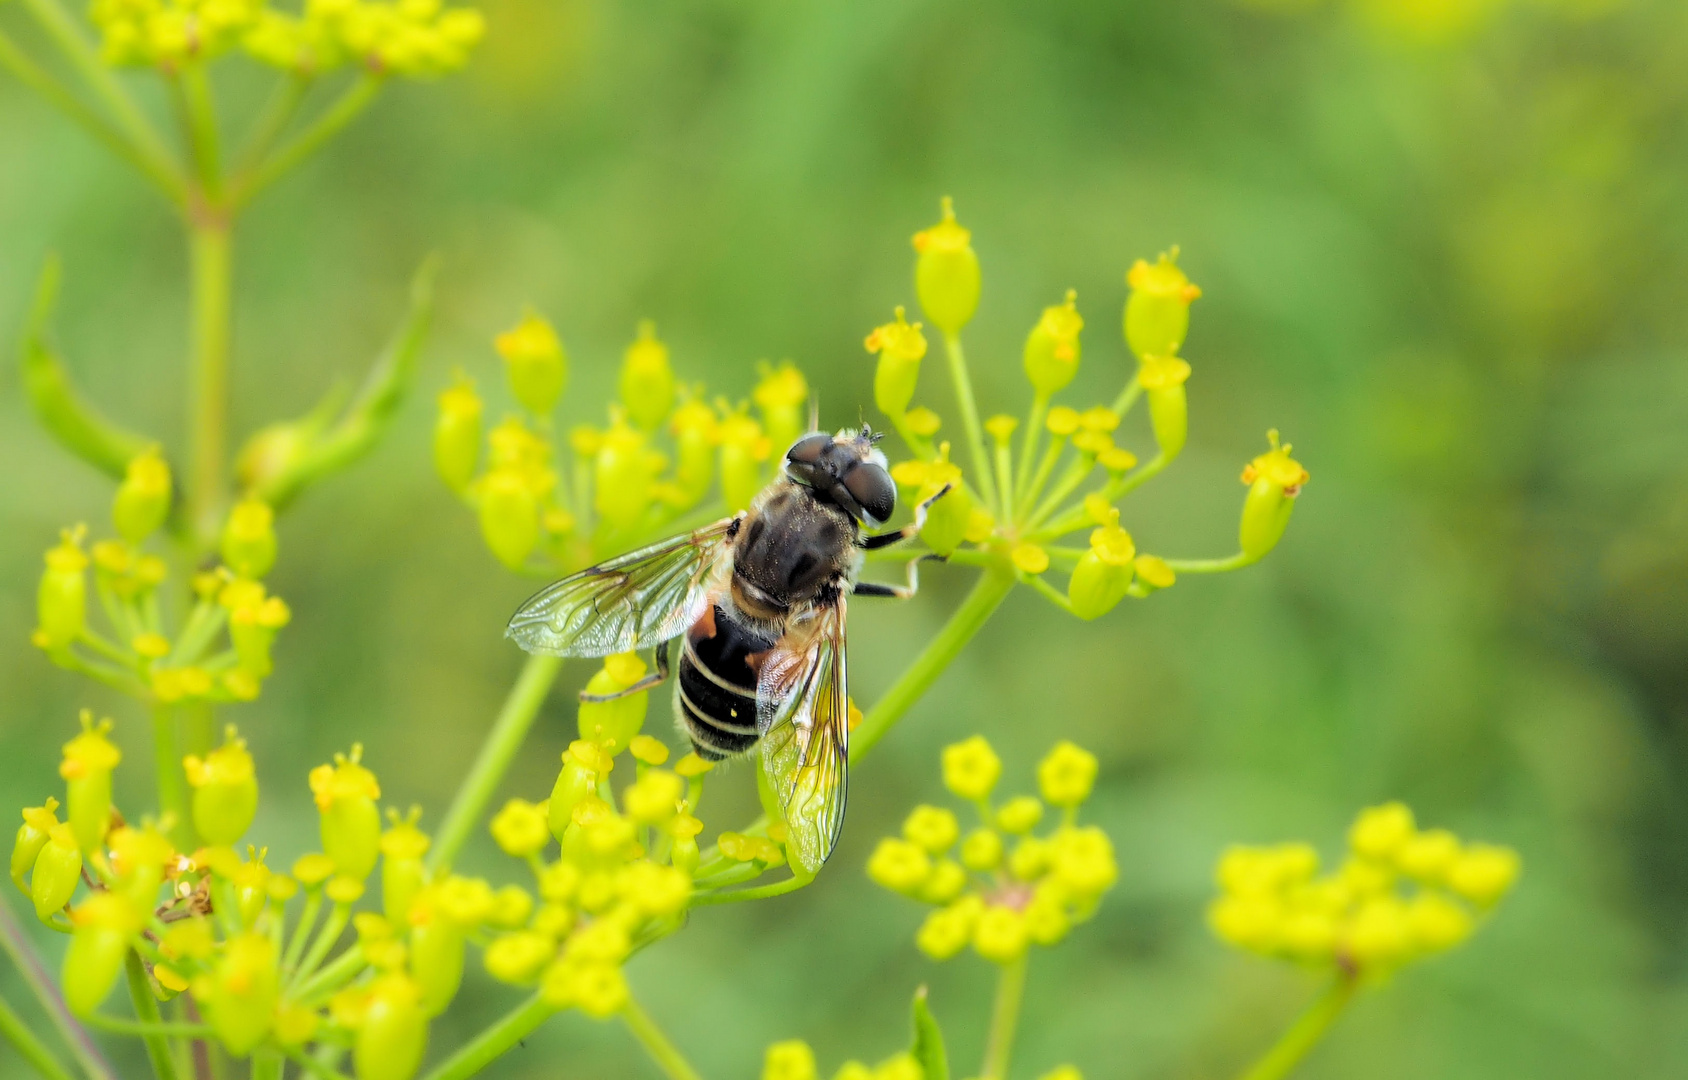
(815, 412)
(871, 435)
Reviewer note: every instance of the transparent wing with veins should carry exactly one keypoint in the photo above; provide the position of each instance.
(635, 601)
(802, 711)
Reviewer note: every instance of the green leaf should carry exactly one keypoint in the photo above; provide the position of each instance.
(77, 425)
(282, 459)
(928, 1047)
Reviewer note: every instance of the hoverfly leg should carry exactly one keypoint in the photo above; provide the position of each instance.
(907, 531)
(897, 592)
(649, 682)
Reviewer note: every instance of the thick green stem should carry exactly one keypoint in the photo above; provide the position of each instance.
(344, 110)
(992, 588)
(208, 405)
(40, 983)
(1305, 1033)
(146, 1009)
(667, 1057)
(495, 1041)
(500, 748)
(17, 1032)
(970, 416)
(1005, 1017)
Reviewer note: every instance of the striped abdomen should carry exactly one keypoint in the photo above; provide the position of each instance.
(715, 695)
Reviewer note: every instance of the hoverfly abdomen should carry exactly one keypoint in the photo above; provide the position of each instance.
(715, 695)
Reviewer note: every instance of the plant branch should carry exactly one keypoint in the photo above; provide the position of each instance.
(970, 416)
(31, 1049)
(1005, 1017)
(208, 406)
(200, 118)
(343, 111)
(1210, 566)
(495, 1041)
(667, 1057)
(146, 1009)
(1305, 1033)
(41, 984)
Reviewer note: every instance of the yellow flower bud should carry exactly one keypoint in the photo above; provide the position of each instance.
(899, 865)
(982, 850)
(511, 906)
(457, 434)
(143, 498)
(1047, 921)
(613, 724)
(648, 750)
(743, 449)
(403, 873)
(61, 603)
(696, 434)
(138, 860)
(1482, 873)
(1438, 923)
(252, 629)
(1064, 1072)
(239, 997)
(38, 821)
(1162, 379)
(900, 346)
(1153, 572)
(971, 768)
(393, 1033)
(791, 1060)
(345, 794)
(509, 514)
(1428, 855)
(535, 362)
(1157, 315)
(1019, 815)
(1067, 774)
(1029, 558)
(1248, 922)
(597, 989)
(1274, 479)
(520, 829)
(225, 790)
(249, 543)
(780, 395)
(946, 931)
(88, 761)
(946, 882)
(1029, 859)
(1000, 935)
(1380, 831)
(647, 382)
(623, 477)
(1052, 348)
(654, 891)
(1083, 861)
(655, 797)
(1308, 935)
(105, 926)
(856, 1070)
(1103, 574)
(932, 828)
(946, 273)
(519, 958)
(1379, 933)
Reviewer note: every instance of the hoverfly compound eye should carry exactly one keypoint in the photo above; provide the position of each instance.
(874, 491)
(809, 448)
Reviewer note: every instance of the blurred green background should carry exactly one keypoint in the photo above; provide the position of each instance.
(1443, 245)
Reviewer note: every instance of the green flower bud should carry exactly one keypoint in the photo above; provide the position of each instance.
(57, 870)
(535, 362)
(143, 498)
(457, 434)
(578, 780)
(1052, 348)
(437, 950)
(948, 519)
(900, 346)
(613, 724)
(38, 821)
(252, 627)
(62, 600)
(251, 880)
(1274, 479)
(946, 273)
(743, 450)
(88, 761)
(623, 477)
(647, 382)
(696, 434)
(1103, 573)
(394, 1032)
(780, 395)
(1162, 379)
(1157, 315)
(351, 825)
(225, 790)
(138, 860)
(403, 872)
(239, 996)
(509, 516)
(106, 925)
(249, 539)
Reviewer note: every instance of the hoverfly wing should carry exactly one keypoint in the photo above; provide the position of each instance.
(802, 711)
(635, 601)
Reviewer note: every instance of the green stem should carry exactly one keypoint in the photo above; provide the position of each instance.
(31, 1049)
(278, 110)
(1078, 517)
(324, 943)
(760, 892)
(1128, 397)
(1028, 447)
(495, 1041)
(500, 748)
(1049, 592)
(344, 110)
(667, 1057)
(146, 1009)
(67, 36)
(200, 116)
(970, 416)
(1305, 1033)
(339, 971)
(1005, 1017)
(315, 1067)
(991, 589)
(1005, 480)
(208, 406)
(267, 1064)
(167, 763)
(162, 1029)
(35, 976)
(1210, 566)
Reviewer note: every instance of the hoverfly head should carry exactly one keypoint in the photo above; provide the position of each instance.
(846, 469)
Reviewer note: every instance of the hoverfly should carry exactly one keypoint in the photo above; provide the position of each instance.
(758, 601)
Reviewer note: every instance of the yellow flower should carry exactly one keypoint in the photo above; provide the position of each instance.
(648, 750)
(1066, 776)
(931, 827)
(655, 797)
(1064, 1072)
(1000, 934)
(790, 1060)
(519, 957)
(1029, 558)
(1019, 815)
(971, 768)
(1083, 860)
(945, 883)
(982, 850)
(521, 829)
(598, 990)
(946, 931)
(1380, 831)
(899, 865)
(1484, 873)
(535, 362)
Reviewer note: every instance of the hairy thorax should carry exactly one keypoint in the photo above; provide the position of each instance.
(793, 547)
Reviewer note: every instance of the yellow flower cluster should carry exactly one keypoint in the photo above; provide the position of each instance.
(1000, 888)
(794, 1060)
(664, 449)
(1402, 894)
(137, 652)
(418, 38)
